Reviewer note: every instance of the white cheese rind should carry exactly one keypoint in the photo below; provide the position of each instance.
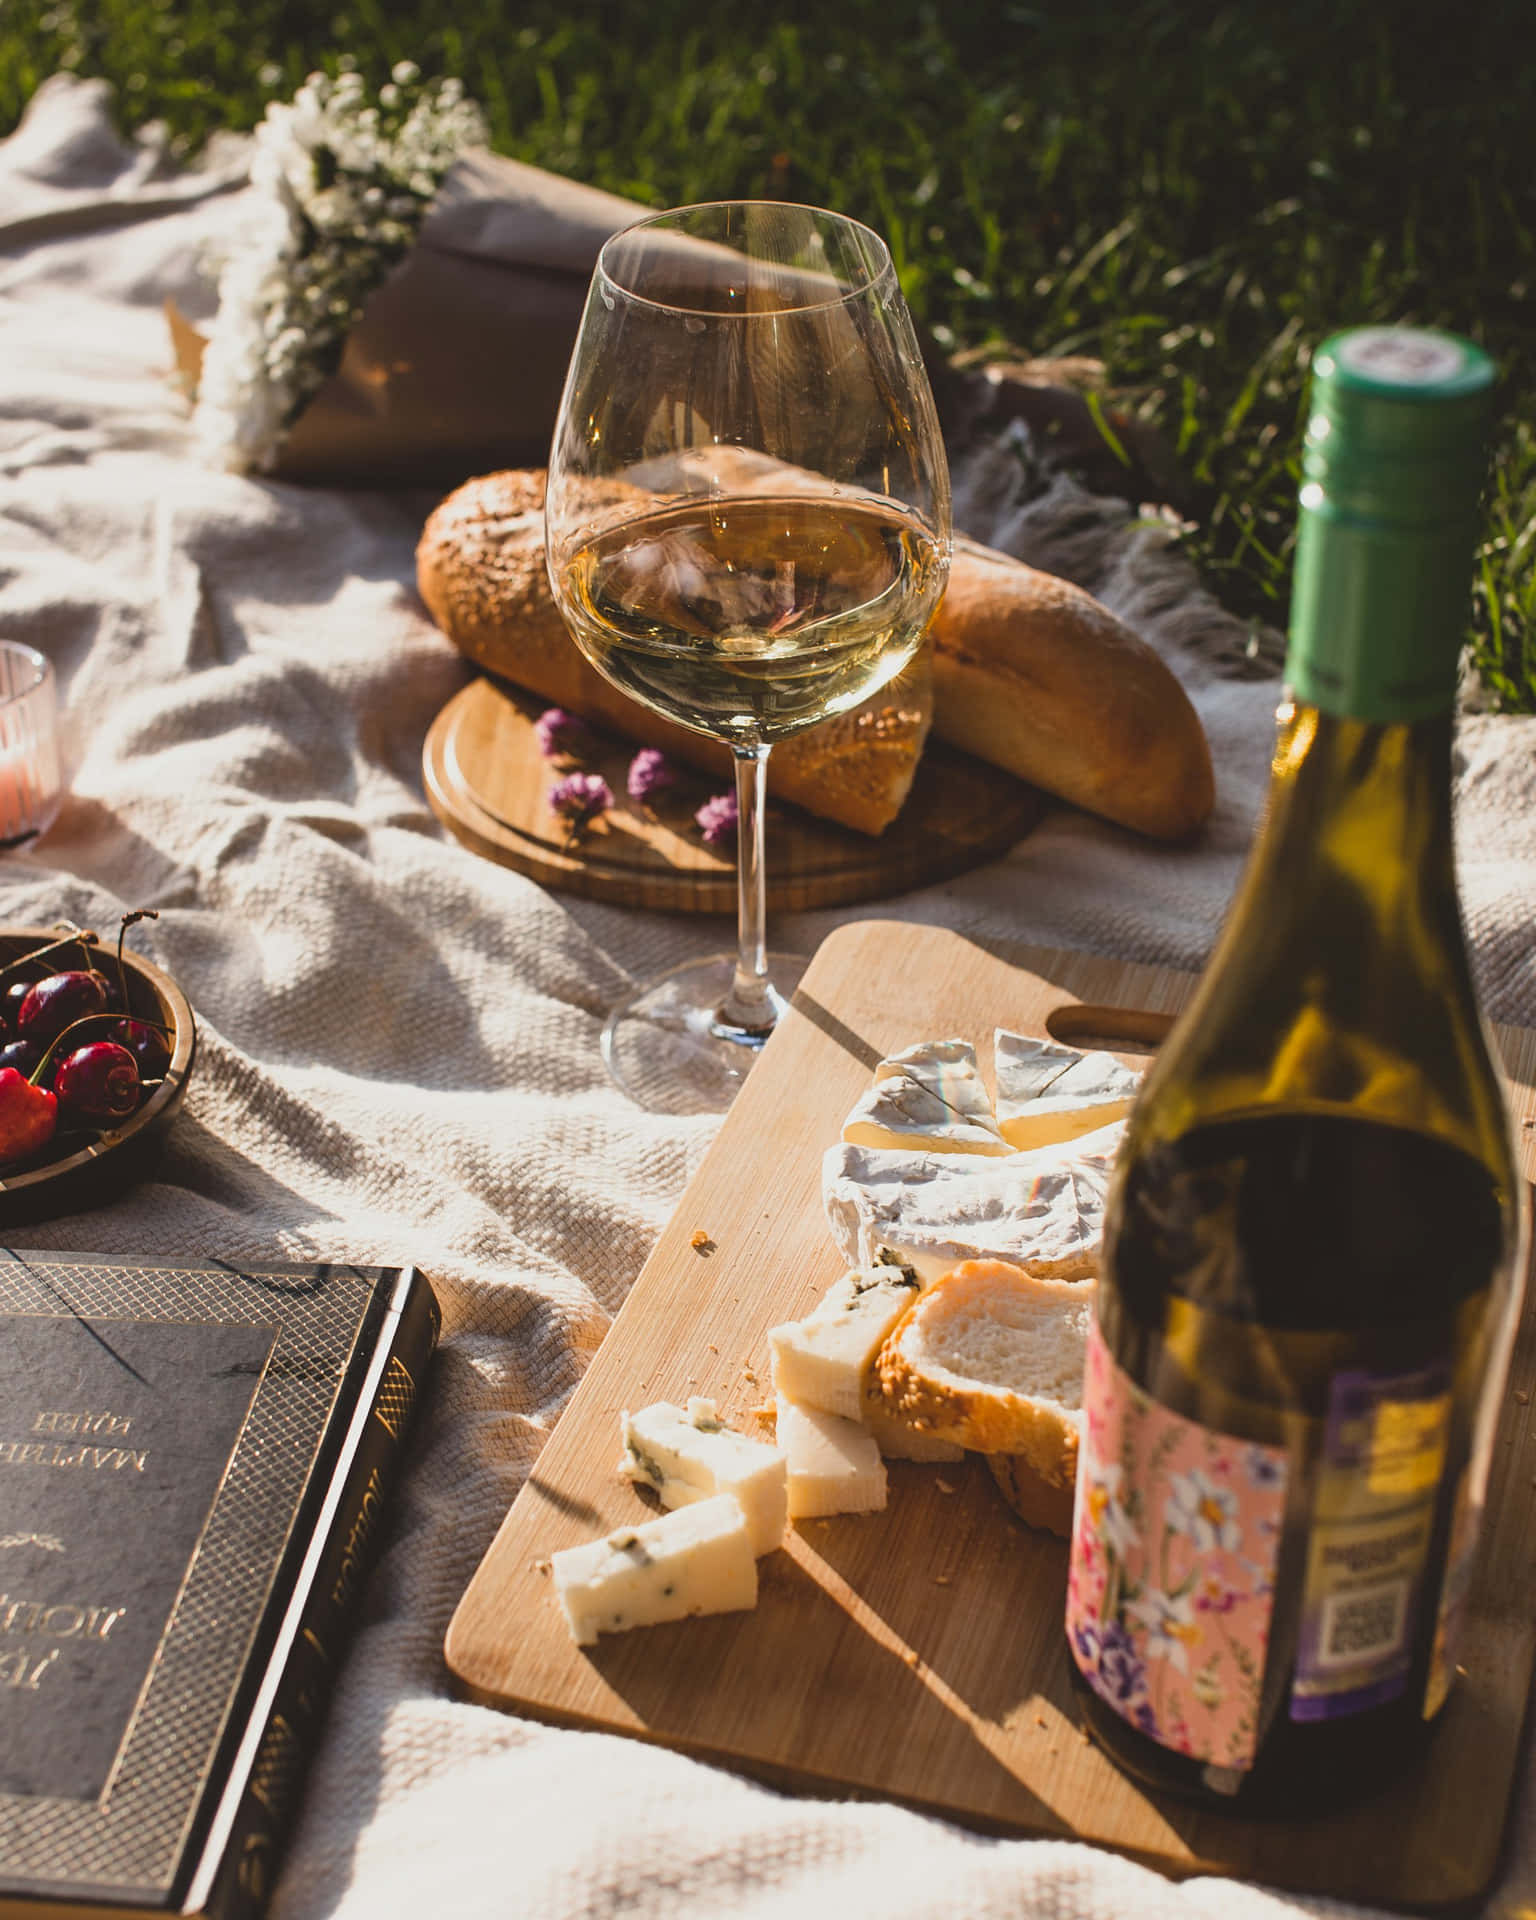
(1043, 1211)
(834, 1465)
(929, 1098)
(822, 1360)
(1048, 1093)
(697, 1560)
(686, 1454)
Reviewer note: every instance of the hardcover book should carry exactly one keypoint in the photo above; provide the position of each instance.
(194, 1461)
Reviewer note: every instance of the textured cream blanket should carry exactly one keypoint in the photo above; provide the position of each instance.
(398, 1054)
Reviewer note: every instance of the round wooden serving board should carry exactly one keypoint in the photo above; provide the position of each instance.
(488, 783)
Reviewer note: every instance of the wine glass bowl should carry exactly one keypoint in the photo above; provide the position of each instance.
(747, 531)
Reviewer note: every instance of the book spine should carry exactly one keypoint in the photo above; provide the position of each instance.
(243, 1852)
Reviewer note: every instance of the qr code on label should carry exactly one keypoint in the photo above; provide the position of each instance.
(1363, 1624)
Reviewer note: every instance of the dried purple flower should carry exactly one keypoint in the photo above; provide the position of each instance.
(718, 820)
(580, 797)
(560, 733)
(650, 772)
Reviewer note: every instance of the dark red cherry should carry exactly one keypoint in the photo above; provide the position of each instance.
(147, 1044)
(10, 1001)
(59, 998)
(20, 1054)
(99, 1081)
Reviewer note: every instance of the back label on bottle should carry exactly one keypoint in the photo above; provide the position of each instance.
(1379, 1479)
(1175, 1538)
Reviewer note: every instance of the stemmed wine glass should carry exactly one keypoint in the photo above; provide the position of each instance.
(747, 529)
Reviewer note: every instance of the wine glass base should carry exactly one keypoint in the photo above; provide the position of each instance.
(667, 1046)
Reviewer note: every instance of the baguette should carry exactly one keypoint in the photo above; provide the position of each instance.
(1035, 675)
(480, 570)
(990, 1358)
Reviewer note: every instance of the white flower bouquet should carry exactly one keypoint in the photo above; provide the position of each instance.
(398, 303)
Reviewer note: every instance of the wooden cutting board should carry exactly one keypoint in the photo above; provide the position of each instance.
(917, 1653)
(489, 785)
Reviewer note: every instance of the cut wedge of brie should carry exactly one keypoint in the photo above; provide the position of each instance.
(930, 1098)
(1043, 1211)
(1048, 1093)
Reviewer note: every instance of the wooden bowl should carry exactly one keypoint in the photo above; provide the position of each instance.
(86, 1167)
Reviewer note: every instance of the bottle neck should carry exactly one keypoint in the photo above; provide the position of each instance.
(1341, 981)
(1362, 809)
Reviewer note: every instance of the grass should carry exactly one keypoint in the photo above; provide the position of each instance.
(1192, 195)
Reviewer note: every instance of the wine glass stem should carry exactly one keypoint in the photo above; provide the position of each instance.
(748, 1006)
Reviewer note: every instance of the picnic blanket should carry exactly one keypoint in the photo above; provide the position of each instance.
(398, 1054)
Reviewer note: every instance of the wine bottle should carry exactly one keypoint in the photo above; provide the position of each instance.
(1308, 1296)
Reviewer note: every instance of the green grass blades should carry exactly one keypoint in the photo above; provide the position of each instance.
(1190, 195)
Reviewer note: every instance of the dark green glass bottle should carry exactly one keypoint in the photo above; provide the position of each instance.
(1308, 1293)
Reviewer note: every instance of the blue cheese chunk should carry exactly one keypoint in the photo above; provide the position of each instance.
(696, 1560)
(1048, 1093)
(930, 1098)
(834, 1465)
(823, 1360)
(686, 1454)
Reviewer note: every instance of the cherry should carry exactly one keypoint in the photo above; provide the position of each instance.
(99, 1081)
(146, 1043)
(10, 1002)
(22, 1055)
(54, 1002)
(28, 1115)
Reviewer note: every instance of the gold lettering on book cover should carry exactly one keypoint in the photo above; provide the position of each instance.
(59, 1619)
(41, 1453)
(20, 1670)
(359, 1534)
(82, 1423)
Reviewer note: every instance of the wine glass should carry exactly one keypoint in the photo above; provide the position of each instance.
(747, 529)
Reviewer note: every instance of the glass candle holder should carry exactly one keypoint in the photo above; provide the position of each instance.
(31, 788)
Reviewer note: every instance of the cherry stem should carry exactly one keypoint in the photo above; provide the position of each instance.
(81, 935)
(139, 913)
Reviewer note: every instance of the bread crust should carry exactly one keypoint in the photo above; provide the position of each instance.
(1037, 1501)
(981, 1417)
(480, 569)
(1035, 675)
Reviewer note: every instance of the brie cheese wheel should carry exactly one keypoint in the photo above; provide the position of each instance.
(834, 1465)
(1043, 1211)
(686, 1454)
(822, 1360)
(1047, 1093)
(931, 1098)
(696, 1560)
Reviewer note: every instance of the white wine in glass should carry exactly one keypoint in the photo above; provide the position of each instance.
(748, 530)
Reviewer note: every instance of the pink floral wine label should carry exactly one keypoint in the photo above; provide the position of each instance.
(1175, 1537)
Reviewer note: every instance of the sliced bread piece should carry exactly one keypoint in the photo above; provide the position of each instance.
(991, 1358)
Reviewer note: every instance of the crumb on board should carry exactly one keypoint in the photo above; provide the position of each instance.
(540, 1566)
(944, 1486)
(700, 1241)
(1522, 1397)
(766, 1414)
(941, 1579)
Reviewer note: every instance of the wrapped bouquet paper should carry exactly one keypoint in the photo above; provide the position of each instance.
(400, 304)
